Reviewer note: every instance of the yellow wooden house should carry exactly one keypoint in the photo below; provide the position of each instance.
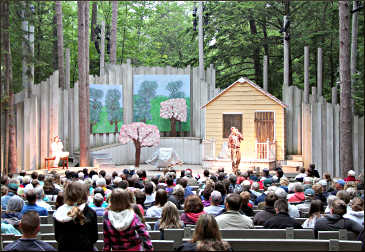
(257, 114)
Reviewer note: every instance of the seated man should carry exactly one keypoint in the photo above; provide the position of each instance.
(215, 200)
(57, 150)
(30, 225)
(282, 219)
(335, 221)
(232, 219)
(31, 197)
(269, 210)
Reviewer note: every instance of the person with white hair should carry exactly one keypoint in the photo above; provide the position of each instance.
(215, 200)
(255, 187)
(350, 176)
(330, 199)
(40, 195)
(293, 211)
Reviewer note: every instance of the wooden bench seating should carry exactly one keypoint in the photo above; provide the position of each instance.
(342, 234)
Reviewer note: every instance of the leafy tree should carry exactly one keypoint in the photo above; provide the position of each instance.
(173, 88)
(113, 107)
(142, 103)
(95, 106)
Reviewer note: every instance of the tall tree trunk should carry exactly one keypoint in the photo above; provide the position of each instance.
(87, 70)
(94, 20)
(116, 126)
(55, 43)
(82, 85)
(61, 68)
(173, 126)
(354, 36)
(113, 39)
(12, 165)
(201, 42)
(256, 53)
(124, 28)
(346, 158)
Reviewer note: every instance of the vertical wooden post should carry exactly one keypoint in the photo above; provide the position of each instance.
(102, 49)
(265, 72)
(334, 95)
(314, 94)
(354, 35)
(67, 68)
(319, 72)
(286, 58)
(201, 45)
(306, 75)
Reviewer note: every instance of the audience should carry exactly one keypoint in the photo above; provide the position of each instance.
(193, 208)
(30, 226)
(123, 230)
(281, 219)
(31, 197)
(75, 223)
(231, 218)
(206, 236)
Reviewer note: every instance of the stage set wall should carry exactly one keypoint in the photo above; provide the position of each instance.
(245, 99)
(313, 131)
(51, 111)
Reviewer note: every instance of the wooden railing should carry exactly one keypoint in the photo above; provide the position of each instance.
(266, 151)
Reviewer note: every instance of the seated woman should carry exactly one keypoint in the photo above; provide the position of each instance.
(160, 200)
(49, 189)
(13, 213)
(314, 214)
(137, 210)
(206, 237)
(245, 208)
(170, 219)
(122, 228)
(193, 208)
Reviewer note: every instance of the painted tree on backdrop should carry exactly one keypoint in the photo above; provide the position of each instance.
(146, 93)
(141, 134)
(175, 110)
(174, 89)
(113, 107)
(95, 106)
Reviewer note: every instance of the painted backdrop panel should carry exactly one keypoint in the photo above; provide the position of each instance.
(106, 108)
(150, 90)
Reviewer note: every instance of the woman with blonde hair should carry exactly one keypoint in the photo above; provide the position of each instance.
(123, 230)
(169, 219)
(75, 223)
(206, 237)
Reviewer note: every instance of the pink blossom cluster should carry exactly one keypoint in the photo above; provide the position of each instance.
(148, 135)
(174, 108)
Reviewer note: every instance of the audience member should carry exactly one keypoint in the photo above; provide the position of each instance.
(268, 212)
(282, 219)
(75, 223)
(246, 207)
(59, 200)
(170, 218)
(31, 197)
(156, 209)
(293, 210)
(206, 237)
(215, 204)
(137, 210)
(299, 193)
(232, 219)
(304, 207)
(13, 213)
(350, 176)
(177, 196)
(97, 205)
(40, 196)
(301, 175)
(12, 190)
(335, 220)
(314, 214)
(122, 228)
(193, 208)
(356, 213)
(30, 226)
(339, 185)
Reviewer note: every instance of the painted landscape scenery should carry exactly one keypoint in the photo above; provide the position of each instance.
(150, 90)
(106, 108)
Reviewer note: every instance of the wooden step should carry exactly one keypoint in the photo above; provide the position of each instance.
(289, 169)
(295, 157)
(294, 163)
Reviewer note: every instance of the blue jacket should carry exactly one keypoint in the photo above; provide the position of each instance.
(41, 210)
(29, 244)
(5, 199)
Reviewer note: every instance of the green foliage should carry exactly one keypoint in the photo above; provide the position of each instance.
(142, 101)
(113, 106)
(95, 105)
(173, 88)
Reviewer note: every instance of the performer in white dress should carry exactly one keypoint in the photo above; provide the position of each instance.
(57, 150)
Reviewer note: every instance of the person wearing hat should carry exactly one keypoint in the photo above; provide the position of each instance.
(350, 176)
(339, 185)
(13, 213)
(12, 189)
(234, 144)
(57, 150)
(304, 207)
(97, 204)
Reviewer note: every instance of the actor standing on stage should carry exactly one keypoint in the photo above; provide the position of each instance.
(234, 143)
(57, 150)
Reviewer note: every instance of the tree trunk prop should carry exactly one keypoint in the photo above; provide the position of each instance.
(138, 152)
(173, 126)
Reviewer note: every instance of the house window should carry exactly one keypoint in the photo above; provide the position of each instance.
(231, 120)
(264, 125)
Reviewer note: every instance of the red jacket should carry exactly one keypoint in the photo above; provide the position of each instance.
(350, 178)
(297, 197)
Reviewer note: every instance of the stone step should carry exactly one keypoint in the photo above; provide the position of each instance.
(102, 160)
(101, 155)
(289, 169)
(294, 163)
(106, 166)
(295, 157)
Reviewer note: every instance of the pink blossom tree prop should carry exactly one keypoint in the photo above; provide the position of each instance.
(175, 110)
(142, 135)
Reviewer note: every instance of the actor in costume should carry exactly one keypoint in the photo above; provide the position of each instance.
(57, 150)
(234, 143)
